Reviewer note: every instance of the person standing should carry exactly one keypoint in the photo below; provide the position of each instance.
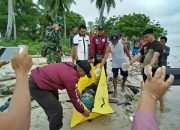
(44, 84)
(71, 37)
(166, 50)
(152, 52)
(81, 44)
(52, 48)
(99, 44)
(118, 50)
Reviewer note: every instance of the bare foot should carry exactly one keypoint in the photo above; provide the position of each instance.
(163, 109)
(115, 94)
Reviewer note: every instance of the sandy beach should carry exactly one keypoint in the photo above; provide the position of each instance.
(116, 121)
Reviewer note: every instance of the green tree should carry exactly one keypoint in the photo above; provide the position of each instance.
(100, 4)
(57, 8)
(73, 19)
(133, 24)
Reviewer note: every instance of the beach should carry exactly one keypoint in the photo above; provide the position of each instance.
(116, 121)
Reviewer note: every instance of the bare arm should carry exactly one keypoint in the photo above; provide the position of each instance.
(126, 50)
(18, 115)
(137, 57)
(75, 52)
(154, 58)
(108, 50)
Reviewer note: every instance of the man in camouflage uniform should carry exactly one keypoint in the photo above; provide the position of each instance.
(53, 39)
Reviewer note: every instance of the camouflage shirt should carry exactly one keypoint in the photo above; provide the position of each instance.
(52, 36)
(53, 39)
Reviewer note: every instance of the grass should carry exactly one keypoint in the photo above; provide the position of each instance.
(34, 46)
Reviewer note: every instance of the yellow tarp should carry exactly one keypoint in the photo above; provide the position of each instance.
(101, 103)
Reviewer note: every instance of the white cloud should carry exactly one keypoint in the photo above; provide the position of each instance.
(167, 12)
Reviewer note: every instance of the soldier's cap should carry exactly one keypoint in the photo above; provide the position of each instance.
(84, 64)
(114, 36)
(148, 31)
(59, 20)
(100, 27)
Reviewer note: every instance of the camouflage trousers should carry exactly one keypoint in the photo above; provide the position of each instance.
(53, 57)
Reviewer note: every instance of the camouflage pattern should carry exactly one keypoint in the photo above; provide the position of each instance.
(53, 40)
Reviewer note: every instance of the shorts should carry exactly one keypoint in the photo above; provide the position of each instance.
(116, 71)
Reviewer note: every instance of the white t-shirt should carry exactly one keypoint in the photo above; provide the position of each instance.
(82, 46)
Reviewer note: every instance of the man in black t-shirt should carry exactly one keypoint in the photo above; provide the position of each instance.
(152, 52)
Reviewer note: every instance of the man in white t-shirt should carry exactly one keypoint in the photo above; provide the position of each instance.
(81, 44)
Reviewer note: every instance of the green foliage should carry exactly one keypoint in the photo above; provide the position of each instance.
(73, 19)
(133, 24)
(34, 47)
(30, 21)
(109, 4)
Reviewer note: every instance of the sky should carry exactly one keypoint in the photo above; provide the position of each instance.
(167, 12)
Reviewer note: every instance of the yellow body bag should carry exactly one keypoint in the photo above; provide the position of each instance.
(101, 101)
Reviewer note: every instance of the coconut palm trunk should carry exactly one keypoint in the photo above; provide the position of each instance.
(65, 33)
(101, 12)
(14, 26)
(10, 20)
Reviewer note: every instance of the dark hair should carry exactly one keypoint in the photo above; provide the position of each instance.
(82, 26)
(165, 38)
(114, 36)
(148, 31)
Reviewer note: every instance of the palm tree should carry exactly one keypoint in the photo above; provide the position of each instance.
(57, 7)
(100, 4)
(11, 18)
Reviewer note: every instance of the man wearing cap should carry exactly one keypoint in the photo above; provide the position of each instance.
(52, 48)
(98, 47)
(71, 37)
(44, 84)
(118, 50)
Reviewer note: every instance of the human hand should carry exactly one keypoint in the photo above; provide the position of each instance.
(156, 85)
(148, 72)
(125, 66)
(21, 62)
(3, 63)
(85, 113)
(97, 72)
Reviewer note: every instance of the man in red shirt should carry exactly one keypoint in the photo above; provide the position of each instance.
(98, 46)
(44, 84)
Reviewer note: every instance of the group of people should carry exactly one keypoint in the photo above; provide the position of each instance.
(45, 81)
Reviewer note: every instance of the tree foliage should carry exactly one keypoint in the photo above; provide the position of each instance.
(133, 24)
(73, 19)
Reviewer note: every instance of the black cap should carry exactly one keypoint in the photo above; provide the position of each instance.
(84, 64)
(100, 27)
(114, 37)
(148, 31)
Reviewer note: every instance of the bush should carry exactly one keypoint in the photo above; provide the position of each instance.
(34, 46)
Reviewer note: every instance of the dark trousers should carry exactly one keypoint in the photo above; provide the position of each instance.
(49, 101)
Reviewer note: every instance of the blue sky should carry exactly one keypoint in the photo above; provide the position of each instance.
(167, 12)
